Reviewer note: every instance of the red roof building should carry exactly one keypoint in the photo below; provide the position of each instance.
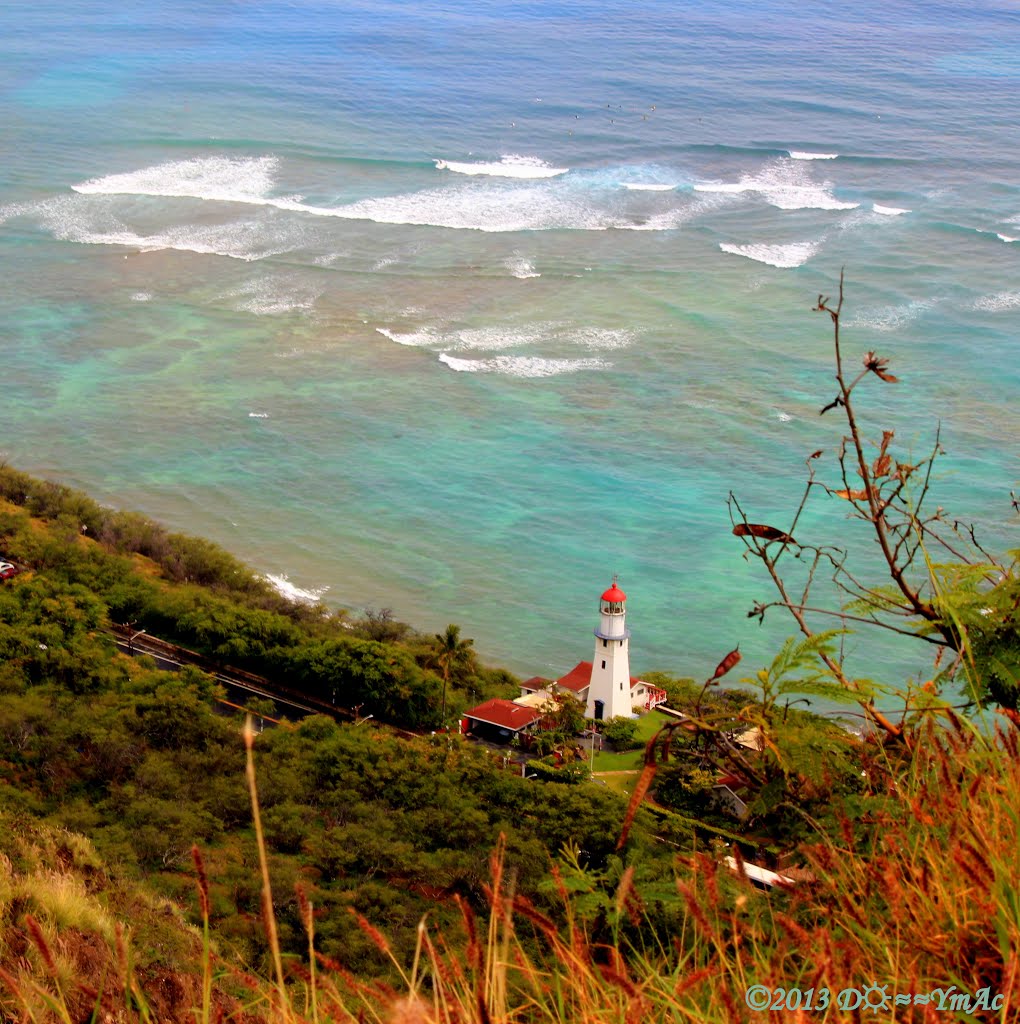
(577, 679)
(502, 714)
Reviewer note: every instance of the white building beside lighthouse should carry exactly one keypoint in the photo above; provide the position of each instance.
(609, 685)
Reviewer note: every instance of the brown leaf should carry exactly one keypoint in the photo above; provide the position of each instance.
(817, 454)
(766, 533)
(851, 495)
(881, 465)
(878, 367)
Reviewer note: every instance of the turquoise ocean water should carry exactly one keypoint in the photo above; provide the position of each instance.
(460, 308)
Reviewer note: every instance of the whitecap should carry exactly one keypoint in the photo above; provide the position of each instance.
(792, 255)
(272, 296)
(497, 207)
(487, 204)
(636, 186)
(889, 211)
(491, 339)
(141, 297)
(413, 339)
(522, 366)
(798, 155)
(495, 338)
(11, 210)
(486, 339)
(785, 185)
(510, 165)
(501, 337)
(92, 221)
(1006, 238)
(245, 179)
(998, 302)
(220, 241)
(783, 417)
(491, 206)
(887, 318)
(258, 415)
(602, 338)
(520, 267)
(297, 594)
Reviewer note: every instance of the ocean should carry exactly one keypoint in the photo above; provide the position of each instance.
(461, 308)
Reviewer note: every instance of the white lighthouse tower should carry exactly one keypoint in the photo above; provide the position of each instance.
(609, 689)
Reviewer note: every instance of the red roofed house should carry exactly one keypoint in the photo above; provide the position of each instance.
(500, 720)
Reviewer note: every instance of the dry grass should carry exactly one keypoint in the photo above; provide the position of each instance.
(923, 896)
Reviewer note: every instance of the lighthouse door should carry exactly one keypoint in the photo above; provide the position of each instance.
(599, 710)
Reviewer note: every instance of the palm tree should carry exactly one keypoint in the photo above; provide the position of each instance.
(451, 653)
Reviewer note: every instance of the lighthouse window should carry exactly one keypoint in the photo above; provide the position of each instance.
(603, 662)
(605, 643)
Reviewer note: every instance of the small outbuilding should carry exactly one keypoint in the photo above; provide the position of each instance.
(498, 720)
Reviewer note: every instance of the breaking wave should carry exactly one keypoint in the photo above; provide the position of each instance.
(785, 256)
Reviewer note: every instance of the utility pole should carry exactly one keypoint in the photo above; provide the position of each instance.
(131, 641)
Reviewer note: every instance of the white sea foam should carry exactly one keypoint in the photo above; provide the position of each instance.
(484, 207)
(522, 204)
(495, 338)
(222, 178)
(511, 165)
(783, 417)
(414, 339)
(636, 186)
(283, 585)
(889, 211)
(492, 339)
(270, 296)
(13, 210)
(258, 415)
(602, 338)
(792, 255)
(522, 366)
(485, 339)
(887, 318)
(665, 221)
(785, 185)
(521, 267)
(94, 221)
(502, 337)
(998, 302)
(798, 155)
(212, 242)
(1006, 238)
(141, 297)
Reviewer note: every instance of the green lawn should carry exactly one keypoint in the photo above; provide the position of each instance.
(631, 760)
